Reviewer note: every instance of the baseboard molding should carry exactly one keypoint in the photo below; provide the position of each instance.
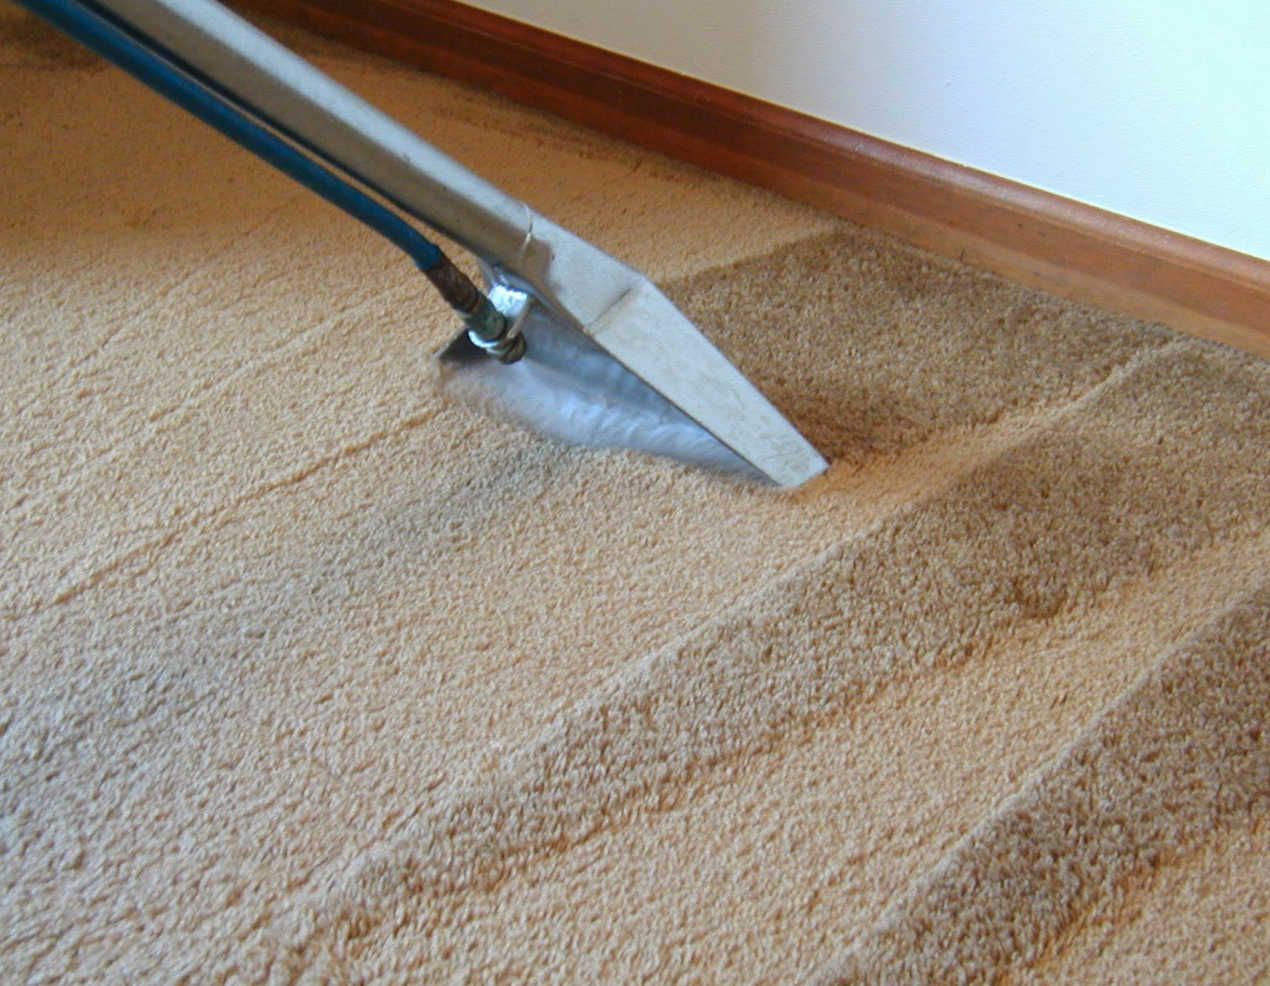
(1028, 235)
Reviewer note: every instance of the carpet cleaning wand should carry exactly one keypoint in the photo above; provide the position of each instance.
(600, 354)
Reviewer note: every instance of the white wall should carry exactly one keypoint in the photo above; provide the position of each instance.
(1155, 109)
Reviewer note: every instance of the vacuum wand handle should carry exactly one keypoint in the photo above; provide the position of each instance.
(248, 66)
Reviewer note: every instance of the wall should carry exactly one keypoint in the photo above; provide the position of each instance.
(1154, 109)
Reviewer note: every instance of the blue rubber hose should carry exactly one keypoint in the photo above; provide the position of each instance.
(117, 46)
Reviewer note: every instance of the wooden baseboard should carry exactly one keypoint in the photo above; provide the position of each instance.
(1035, 237)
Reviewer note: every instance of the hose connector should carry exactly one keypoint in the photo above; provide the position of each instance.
(496, 325)
(493, 323)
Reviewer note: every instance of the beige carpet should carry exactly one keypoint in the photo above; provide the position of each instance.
(309, 672)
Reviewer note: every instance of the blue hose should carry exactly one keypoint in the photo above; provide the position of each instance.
(116, 45)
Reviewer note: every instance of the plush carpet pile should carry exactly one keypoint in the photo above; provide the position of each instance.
(310, 672)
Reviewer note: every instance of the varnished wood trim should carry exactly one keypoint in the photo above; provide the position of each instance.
(1063, 246)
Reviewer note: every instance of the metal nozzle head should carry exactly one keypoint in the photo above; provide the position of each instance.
(636, 374)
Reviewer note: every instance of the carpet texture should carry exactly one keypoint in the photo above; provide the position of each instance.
(312, 673)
